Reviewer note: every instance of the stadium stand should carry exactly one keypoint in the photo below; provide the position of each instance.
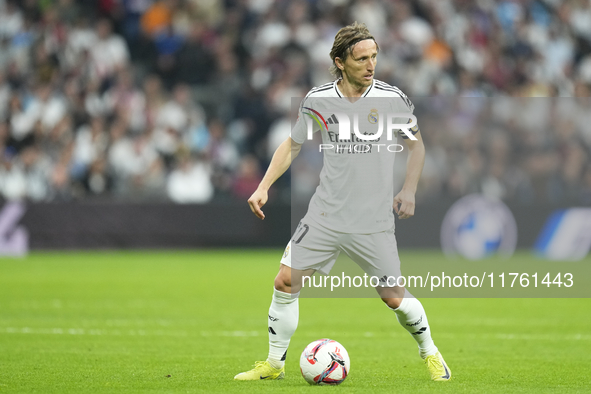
(185, 101)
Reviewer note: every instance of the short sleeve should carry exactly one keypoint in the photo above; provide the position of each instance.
(404, 104)
(299, 133)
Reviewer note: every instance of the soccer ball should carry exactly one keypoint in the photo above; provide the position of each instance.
(325, 362)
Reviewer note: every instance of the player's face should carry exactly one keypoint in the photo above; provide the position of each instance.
(360, 66)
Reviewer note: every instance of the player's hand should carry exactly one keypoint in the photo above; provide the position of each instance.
(404, 204)
(256, 201)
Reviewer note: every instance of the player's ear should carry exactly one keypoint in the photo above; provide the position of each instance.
(339, 63)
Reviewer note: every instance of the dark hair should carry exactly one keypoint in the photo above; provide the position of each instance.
(344, 42)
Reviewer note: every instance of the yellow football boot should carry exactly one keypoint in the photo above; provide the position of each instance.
(438, 369)
(262, 371)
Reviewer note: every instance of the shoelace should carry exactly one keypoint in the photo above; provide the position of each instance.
(434, 361)
(258, 364)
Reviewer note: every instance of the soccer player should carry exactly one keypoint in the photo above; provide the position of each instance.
(351, 210)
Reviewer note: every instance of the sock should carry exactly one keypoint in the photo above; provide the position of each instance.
(411, 315)
(282, 323)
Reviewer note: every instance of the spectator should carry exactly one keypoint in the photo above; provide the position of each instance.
(190, 182)
(247, 178)
(109, 53)
(157, 17)
(98, 181)
(195, 62)
(78, 117)
(90, 145)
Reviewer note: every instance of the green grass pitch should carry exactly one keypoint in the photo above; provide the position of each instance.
(186, 322)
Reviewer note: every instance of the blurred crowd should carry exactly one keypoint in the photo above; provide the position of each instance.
(526, 150)
(186, 100)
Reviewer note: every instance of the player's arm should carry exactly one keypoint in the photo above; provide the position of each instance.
(282, 158)
(404, 202)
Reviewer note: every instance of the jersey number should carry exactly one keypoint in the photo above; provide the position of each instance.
(300, 232)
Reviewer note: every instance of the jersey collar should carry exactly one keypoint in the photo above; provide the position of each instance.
(336, 88)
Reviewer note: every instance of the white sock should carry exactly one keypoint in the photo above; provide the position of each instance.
(282, 323)
(411, 315)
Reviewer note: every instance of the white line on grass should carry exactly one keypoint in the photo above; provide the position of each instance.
(122, 332)
(181, 333)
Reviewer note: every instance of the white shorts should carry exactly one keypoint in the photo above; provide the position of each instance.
(316, 247)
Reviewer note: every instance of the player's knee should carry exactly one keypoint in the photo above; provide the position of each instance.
(392, 303)
(283, 282)
(392, 296)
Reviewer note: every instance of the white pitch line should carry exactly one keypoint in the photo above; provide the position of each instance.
(123, 332)
(171, 333)
(90, 331)
(521, 337)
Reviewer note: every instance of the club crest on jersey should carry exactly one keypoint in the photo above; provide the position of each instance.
(373, 116)
(286, 252)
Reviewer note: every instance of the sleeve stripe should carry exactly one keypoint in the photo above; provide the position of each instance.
(386, 86)
(319, 90)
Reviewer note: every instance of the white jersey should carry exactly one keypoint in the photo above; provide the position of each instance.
(356, 190)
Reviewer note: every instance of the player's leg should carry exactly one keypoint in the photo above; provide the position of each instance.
(313, 249)
(412, 316)
(377, 254)
(284, 312)
(282, 323)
